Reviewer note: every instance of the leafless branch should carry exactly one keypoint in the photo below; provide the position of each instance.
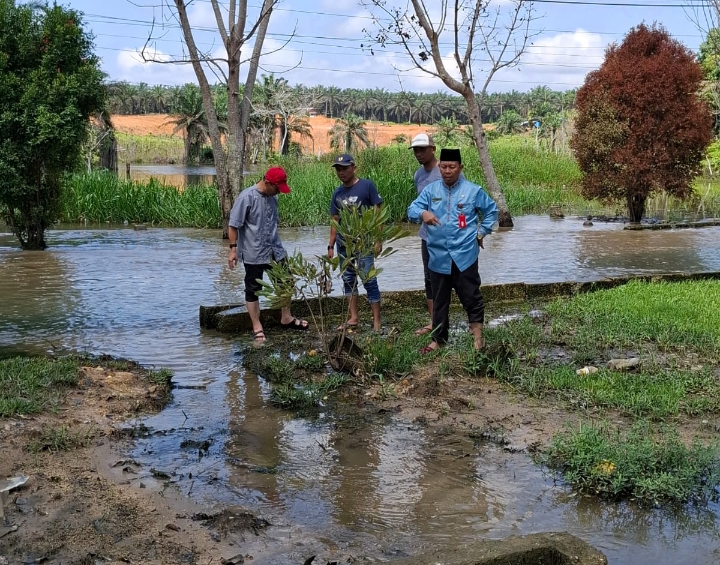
(219, 21)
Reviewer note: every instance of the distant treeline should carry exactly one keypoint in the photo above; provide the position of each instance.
(334, 102)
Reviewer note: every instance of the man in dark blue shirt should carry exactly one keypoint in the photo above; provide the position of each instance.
(357, 193)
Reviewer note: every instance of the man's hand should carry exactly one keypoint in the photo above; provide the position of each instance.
(330, 251)
(232, 258)
(429, 218)
(480, 238)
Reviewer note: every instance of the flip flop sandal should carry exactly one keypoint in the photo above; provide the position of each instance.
(424, 330)
(259, 336)
(427, 349)
(296, 324)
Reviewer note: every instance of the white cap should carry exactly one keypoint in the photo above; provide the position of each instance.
(422, 140)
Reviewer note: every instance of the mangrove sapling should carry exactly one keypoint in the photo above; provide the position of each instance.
(364, 233)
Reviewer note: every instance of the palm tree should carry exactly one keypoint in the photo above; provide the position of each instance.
(348, 132)
(395, 106)
(158, 99)
(299, 125)
(446, 131)
(332, 100)
(191, 121)
(509, 122)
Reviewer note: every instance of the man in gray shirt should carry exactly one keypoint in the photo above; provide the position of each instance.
(423, 147)
(254, 239)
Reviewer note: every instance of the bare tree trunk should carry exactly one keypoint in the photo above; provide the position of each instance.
(636, 207)
(222, 170)
(228, 160)
(491, 182)
(108, 153)
(252, 77)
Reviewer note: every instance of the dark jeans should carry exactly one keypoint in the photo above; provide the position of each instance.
(467, 286)
(426, 270)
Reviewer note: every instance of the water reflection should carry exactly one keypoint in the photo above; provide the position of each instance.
(382, 485)
(181, 176)
(621, 252)
(37, 288)
(175, 175)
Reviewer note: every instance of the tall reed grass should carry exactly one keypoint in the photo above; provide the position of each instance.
(532, 180)
(102, 197)
(155, 149)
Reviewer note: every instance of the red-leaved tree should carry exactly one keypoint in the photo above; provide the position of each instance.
(641, 126)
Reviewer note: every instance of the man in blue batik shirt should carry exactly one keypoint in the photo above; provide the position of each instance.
(458, 215)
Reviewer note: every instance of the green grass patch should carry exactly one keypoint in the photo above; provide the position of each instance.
(60, 438)
(29, 385)
(673, 328)
(394, 357)
(642, 463)
(532, 179)
(304, 395)
(669, 314)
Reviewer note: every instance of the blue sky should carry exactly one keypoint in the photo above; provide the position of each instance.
(326, 36)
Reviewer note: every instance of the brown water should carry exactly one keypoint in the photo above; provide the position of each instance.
(382, 488)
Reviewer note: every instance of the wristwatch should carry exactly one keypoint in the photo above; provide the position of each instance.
(233, 245)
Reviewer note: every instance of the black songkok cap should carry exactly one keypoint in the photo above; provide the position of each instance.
(450, 155)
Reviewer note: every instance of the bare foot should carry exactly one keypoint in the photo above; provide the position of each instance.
(434, 346)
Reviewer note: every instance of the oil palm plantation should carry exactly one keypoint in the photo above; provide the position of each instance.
(348, 133)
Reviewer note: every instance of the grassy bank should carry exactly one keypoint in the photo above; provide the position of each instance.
(532, 179)
(30, 385)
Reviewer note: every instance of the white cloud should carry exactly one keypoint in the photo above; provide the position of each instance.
(156, 70)
(560, 61)
(202, 15)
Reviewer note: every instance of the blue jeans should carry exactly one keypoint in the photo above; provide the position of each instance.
(350, 278)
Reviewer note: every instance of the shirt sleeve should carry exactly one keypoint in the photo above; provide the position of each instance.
(419, 205)
(333, 204)
(488, 209)
(239, 211)
(373, 196)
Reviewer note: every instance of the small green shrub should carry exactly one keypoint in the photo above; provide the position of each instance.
(642, 463)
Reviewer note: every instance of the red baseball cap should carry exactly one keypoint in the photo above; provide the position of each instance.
(278, 177)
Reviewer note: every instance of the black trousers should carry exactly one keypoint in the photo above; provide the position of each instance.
(426, 270)
(467, 286)
(253, 274)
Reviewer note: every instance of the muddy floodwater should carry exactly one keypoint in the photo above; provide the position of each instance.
(381, 488)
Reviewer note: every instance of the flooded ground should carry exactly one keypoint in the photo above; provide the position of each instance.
(382, 487)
